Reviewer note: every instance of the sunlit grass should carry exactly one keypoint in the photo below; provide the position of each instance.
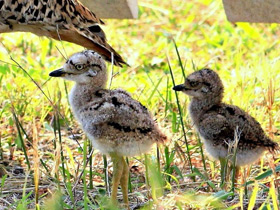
(246, 56)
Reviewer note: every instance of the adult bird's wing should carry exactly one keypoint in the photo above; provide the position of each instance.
(66, 20)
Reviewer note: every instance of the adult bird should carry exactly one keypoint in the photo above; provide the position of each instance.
(117, 124)
(66, 20)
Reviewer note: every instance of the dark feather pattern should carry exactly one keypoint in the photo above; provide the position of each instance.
(67, 20)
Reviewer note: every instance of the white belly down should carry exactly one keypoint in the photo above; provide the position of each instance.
(243, 157)
(127, 148)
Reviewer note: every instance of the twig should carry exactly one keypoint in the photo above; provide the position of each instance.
(112, 69)
(5, 201)
(79, 177)
(61, 44)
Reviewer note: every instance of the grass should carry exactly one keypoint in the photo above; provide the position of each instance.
(38, 129)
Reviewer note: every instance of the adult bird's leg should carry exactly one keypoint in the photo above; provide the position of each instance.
(118, 166)
(124, 183)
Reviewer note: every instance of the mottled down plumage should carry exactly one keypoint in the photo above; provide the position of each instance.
(112, 119)
(115, 122)
(219, 124)
(66, 20)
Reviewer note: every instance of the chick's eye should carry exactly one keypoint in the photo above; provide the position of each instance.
(79, 66)
(193, 83)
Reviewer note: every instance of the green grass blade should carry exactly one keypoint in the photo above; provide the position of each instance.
(201, 153)
(105, 171)
(129, 177)
(253, 197)
(179, 58)
(264, 175)
(181, 117)
(61, 146)
(154, 90)
(90, 148)
(21, 139)
(85, 175)
(273, 194)
(147, 180)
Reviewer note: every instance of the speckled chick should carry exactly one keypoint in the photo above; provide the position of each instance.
(66, 20)
(216, 121)
(116, 124)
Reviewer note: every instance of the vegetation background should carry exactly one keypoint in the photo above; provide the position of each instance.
(42, 165)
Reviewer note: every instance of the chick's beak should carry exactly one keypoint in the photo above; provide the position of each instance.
(179, 87)
(57, 73)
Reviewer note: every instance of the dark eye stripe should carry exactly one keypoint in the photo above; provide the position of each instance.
(207, 84)
(84, 66)
(97, 65)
